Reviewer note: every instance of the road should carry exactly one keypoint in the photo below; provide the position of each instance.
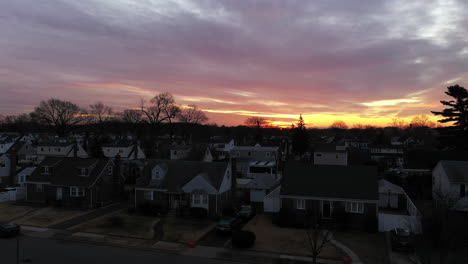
(41, 250)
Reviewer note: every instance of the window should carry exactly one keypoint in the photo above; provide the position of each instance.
(249, 153)
(462, 190)
(268, 154)
(148, 195)
(199, 199)
(39, 188)
(59, 149)
(318, 155)
(337, 156)
(77, 192)
(83, 171)
(175, 152)
(300, 204)
(42, 149)
(355, 207)
(2, 164)
(120, 150)
(45, 170)
(110, 169)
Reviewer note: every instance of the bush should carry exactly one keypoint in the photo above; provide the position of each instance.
(198, 212)
(243, 239)
(116, 221)
(152, 209)
(229, 211)
(131, 210)
(371, 223)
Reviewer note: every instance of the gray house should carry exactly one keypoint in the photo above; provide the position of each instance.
(328, 192)
(450, 183)
(178, 184)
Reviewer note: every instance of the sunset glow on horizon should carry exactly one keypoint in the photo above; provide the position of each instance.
(360, 62)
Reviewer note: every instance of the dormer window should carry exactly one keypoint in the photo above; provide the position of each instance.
(110, 169)
(83, 172)
(249, 153)
(45, 170)
(268, 154)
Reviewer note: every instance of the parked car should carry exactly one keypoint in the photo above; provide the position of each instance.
(9, 229)
(246, 212)
(226, 226)
(402, 239)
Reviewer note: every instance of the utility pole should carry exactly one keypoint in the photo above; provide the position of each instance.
(17, 249)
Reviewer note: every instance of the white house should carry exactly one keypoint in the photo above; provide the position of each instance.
(330, 155)
(179, 152)
(126, 151)
(60, 148)
(450, 183)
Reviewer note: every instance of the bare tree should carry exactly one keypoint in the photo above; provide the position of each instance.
(318, 238)
(422, 121)
(60, 115)
(339, 124)
(256, 121)
(162, 109)
(100, 112)
(131, 116)
(192, 115)
(398, 123)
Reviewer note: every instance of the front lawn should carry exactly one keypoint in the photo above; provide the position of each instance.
(49, 216)
(184, 230)
(370, 247)
(120, 224)
(292, 241)
(10, 211)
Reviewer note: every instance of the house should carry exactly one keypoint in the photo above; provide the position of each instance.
(75, 182)
(450, 183)
(179, 152)
(8, 162)
(330, 155)
(23, 174)
(126, 151)
(327, 193)
(219, 150)
(396, 209)
(178, 184)
(247, 155)
(60, 147)
(389, 155)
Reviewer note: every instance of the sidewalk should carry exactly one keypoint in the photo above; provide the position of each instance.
(89, 216)
(169, 247)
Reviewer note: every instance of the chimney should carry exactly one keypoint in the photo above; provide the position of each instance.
(13, 161)
(75, 149)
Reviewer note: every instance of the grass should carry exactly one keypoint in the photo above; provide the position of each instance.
(370, 247)
(184, 230)
(48, 216)
(271, 238)
(10, 211)
(134, 226)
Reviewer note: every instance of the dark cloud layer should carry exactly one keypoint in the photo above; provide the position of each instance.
(343, 59)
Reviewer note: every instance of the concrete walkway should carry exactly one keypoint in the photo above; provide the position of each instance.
(89, 216)
(355, 259)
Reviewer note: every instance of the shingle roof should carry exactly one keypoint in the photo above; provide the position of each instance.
(64, 171)
(348, 182)
(457, 171)
(180, 172)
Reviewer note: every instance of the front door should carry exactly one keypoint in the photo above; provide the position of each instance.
(59, 193)
(326, 209)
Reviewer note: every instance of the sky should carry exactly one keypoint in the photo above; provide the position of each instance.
(363, 61)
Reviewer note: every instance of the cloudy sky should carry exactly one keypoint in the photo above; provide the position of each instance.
(360, 61)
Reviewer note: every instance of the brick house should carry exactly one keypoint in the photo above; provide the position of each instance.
(178, 184)
(75, 182)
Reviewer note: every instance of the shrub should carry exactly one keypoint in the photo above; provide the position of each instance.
(152, 209)
(243, 239)
(116, 221)
(229, 211)
(198, 212)
(131, 210)
(371, 223)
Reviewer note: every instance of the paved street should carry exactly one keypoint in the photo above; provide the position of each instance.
(38, 250)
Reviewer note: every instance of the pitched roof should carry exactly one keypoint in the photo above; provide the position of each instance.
(180, 172)
(347, 182)
(64, 171)
(457, 171)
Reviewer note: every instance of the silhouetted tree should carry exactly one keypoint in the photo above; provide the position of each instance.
(256, 121)
(300, 137)
(60, 115)
(131, 116)
(318, 238)
(162, 109)
(457, 110)
(192, 115)
(340, 124)
(421, 121)
(100, 112)
(398, 123)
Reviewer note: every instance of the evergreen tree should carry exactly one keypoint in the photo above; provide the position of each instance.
(457, 110)
(300, 137)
